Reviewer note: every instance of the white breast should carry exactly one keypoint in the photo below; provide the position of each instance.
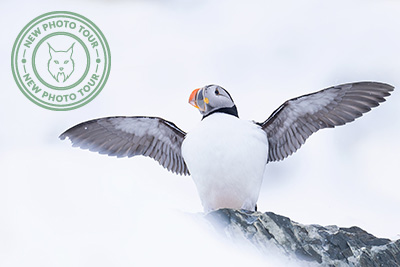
(226, 157)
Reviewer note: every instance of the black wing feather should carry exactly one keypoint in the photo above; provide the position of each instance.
(130, 136)
(293, 122)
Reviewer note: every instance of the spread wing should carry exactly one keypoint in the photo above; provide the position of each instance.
(293, 122)
(130, 136)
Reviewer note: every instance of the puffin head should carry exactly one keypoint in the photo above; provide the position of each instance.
(211, 99)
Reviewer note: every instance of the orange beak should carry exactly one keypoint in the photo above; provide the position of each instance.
(192, 98)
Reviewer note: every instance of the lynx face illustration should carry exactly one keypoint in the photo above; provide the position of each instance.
(61, 65)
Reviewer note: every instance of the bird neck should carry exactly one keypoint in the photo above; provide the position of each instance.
(231, 111)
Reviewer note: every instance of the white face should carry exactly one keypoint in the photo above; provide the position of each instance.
(212, 97)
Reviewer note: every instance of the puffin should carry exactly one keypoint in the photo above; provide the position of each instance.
(225, 155)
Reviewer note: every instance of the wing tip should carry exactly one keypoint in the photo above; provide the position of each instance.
(386, 86)
(63, 136)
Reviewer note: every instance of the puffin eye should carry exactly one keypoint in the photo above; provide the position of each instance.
(216, 92)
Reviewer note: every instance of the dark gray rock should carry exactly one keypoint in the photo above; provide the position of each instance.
(326, 246)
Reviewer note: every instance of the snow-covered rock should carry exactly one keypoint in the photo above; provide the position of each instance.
(311, 244)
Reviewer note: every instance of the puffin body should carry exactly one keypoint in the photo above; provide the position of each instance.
(226, 157)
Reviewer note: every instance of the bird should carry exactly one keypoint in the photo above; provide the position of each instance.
(226, 156)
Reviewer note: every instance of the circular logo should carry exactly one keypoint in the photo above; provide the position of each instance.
(61, 60)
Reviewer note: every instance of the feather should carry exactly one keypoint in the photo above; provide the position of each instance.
(130, 136)
(300, 117)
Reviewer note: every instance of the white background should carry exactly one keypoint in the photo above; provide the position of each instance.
(62, 206)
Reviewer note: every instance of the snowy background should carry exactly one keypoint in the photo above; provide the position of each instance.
(62, 206)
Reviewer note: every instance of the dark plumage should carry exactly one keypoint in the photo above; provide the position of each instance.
(226, 155)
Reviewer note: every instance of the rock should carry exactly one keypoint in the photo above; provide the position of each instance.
(314, 244)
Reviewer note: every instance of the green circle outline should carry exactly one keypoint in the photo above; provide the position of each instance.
(102, 81)
(87, 61)
(104, 45)
(105, 66)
